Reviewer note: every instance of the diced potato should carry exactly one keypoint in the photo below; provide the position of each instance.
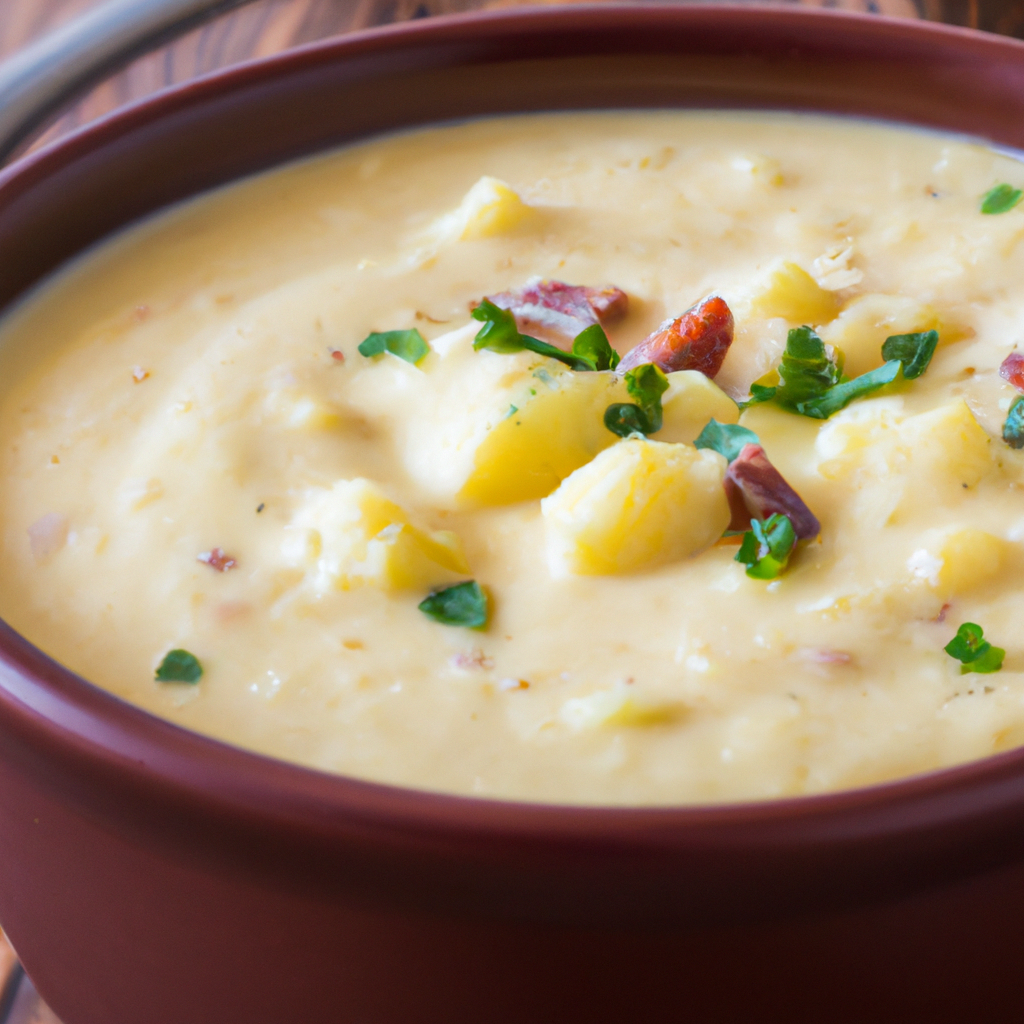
(352, 535)
(861, 435)
(637, 505)
(793, 295)
(947, 447)
(614, 706)
(970, 559)
(489, 208)
(908, 464)
(491, 429)
(303, 412)
(868, 320)
(691, 401)
(764, 170)
(557, 426)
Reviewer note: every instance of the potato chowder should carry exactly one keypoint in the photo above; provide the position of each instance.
(624, 458)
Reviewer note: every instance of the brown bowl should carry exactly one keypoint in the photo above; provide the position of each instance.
(152, 875)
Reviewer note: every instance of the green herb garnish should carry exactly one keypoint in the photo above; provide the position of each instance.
(1001, 199)
(807, 369)
(914, 351)
(727, 439)
(973, 651)
(766, 547)
(465, 604)
(758, 393)
(812, 381)
(408, 345)
(179, 666)
(840, 396)
(500, 334)
(646, 384)
(1013, 428)
(593, 345)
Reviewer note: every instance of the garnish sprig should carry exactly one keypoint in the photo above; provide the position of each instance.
(766, 547)
(811, 380)
(1013, 428)
(973, 651)
(179, 666)
(408, 345)
(727, 439)
(1001, 199)
(464, 604)
(646, 384)
(591, 349)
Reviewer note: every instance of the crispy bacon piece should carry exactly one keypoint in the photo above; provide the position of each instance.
(697, 340)
(1012, 370)
(755, 488)
(216, 559)
(564, 309)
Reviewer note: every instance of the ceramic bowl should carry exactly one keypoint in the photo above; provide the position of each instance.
(152, 875)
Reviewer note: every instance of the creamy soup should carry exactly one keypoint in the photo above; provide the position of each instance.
(255, 450)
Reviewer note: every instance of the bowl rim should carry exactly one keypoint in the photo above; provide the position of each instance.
(75, 725)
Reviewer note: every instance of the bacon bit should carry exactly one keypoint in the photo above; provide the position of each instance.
(564, 309)
(513, 684)
(47, 535)
(1012, 370)
(941, 617)
(139, 374)
(337, 355)
(216, 559)
(755, 488)
(825, 656)
(471, 660)
(697, 340)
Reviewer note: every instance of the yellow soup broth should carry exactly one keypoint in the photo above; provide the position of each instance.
(198, 458)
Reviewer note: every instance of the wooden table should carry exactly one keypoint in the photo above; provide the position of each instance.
(268, 26)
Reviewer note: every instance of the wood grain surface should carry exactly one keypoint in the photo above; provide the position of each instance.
(269, 26)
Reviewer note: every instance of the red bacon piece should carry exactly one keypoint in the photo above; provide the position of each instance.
(1012, 370)
(216, 559)
(564, 309)
(756, 489)
(697, 340)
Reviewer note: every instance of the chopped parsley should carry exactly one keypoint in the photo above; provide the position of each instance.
(408, 345)
(645, 384)
(811, 380)
(841, 395)
(179, 666)
(727, 439)
(592, 344)
(500, 334)
(914, 351)
(1001, 199)
(766, 547)
(465, 604)
(973, 651)
(1013, 428)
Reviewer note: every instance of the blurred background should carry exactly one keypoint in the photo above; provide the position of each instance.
(269, 26)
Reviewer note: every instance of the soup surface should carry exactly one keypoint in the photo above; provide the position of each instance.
(198, 458)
